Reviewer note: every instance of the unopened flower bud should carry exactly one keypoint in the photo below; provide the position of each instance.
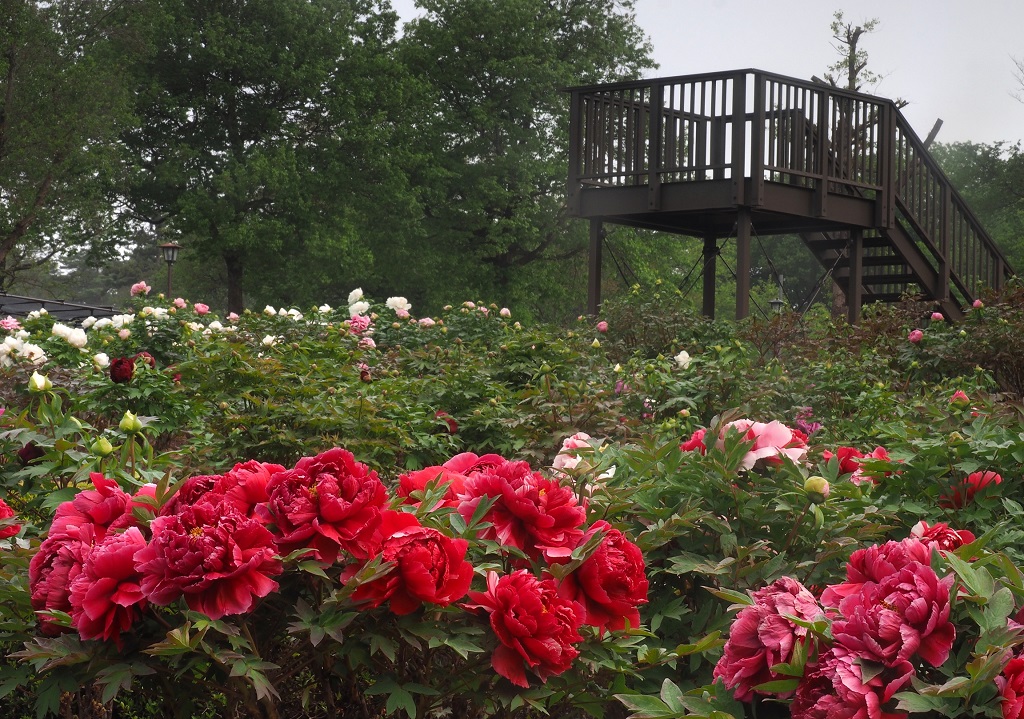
(130, 423)
(102, 447)
(817, 489)
(39, 383)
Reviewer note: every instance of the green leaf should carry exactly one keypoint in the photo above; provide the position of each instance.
(401, 699)
(731, 596)
(917, 703)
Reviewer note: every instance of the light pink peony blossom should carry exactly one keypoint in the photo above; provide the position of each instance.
(140, 288)
(201, 309)
(180, 303)
(915, 336)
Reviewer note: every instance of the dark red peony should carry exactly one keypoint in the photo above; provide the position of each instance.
(875, 563)
(106, 596)
(761, 636)
(217, 558)
(55, 567)
(145, 357)
(328, 503)
(1011, 688)
(536, 628)
(30, 453)
(191, 491)
(7, 530)
(532, 513)
(962, 493)
(122, 369)
(428, 566)
(611, 583)
(453, 426)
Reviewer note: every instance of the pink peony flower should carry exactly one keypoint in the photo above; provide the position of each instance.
(367, 343)
(106, 596)
(771, 441)
(962, 493)
(428, 566)
(849, 462)
(611, 583)
(695, 443)
(180, 303)
(328, 503)
(471, 464)
(1011, 688)
(402, 314)
(140, 288)
(124, 333)
(937, 317)
(873, 564)
(960, 399)
(358, 324)
(232, 316)
(201, 309)
(977, 304)
(864, 699)
(535, 627)
(7, 530)
(505, 312)
(761, 637)
(427, 321)
(452, 425)
(602, 326)
(915, 336)
(10, 324)
(531, 512)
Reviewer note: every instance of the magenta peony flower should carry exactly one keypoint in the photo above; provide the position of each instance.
(1011, 688)
(937, 317)
(532, 513)
(8, 530)
(940, 536)
(535, 627)
(873, 564)
(106, 597)
(915, 336)
(695, 442)
(217, 558)
(245, 484)
(602, 326)
(761, 636)
(418, 480)
(865, 699)
(428, 566)
(55, 567)
(471, 464)
(977, 304)
(960, 399)
(611, 583)
(328, 503)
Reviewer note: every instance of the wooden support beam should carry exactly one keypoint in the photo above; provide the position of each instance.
(710, 261)
(742, 262)
(854, 292)
(594, 271)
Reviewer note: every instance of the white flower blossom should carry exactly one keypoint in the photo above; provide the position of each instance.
(101, 360)
(358, 308)
(269, 311)
(355, 295)
(324, 308)
(88, 322)
(60, 330)
(683, 359)
(398, 303)
(101, 323)
(269, 341)
(77, 338)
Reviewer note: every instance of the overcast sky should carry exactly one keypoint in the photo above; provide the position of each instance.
(950, 59)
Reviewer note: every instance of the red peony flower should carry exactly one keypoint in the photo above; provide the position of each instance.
(329, 503)
(453, 482)
(219, 559)
(941, 536)
(695, 442)
(1011, 688)
(611, 583)
(191, 491)
(535, 627)
(7, 530)
(963, 492)
(862, 698)
(429, 566)
(30, 453)
(469, 464)
(54, 568)
(761, 636)
(245, 484)
(106, 598)
(122, 369)
(873, 564)
(532, 513)
(145, 357)
(453, 426)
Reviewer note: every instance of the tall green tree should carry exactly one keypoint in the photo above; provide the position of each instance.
(264, 140)
(64, 97)
(494, 200)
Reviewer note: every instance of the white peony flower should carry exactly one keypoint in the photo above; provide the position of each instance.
(398, 303)
(355, 295)
(215, 326)
(88, 322)
(269, 311)
(683, 359)
(324, 308)
(269, 341)
(77, 338)
(101, 360)
(101, 323)
(358, 308)
(60, 330)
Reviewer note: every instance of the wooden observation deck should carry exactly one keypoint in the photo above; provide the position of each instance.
(727, 154)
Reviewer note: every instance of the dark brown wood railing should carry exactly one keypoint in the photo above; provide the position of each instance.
(752, 127)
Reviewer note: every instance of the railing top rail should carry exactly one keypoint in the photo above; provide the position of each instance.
(649, 82)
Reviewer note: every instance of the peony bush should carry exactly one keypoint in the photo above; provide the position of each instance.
(366, 512)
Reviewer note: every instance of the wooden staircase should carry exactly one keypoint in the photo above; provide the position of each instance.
(730, 154)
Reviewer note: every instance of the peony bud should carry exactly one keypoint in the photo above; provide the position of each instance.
(817, 489)
(102, 447)
(596, 344)
(39, 383)
(130, 423)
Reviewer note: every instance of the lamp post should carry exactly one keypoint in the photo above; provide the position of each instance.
(170, 250)
(779, 302)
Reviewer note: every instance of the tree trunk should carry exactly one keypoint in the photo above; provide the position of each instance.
(236, 270)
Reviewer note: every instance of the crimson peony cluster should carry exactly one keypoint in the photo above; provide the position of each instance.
(849, 462)
(218, 547)
(890, 615)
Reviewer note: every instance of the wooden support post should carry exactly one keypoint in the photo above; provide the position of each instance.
(710, 257)
(594, 272)
(854, 292)
(742, 263)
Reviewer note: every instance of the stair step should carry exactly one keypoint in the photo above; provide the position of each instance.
(830, 243)
(889, 279)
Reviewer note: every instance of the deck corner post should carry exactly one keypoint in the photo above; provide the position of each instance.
(594, 267)
(710, 275)
(743, 228)
(855, 289)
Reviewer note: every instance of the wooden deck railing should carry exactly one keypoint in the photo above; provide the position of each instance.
(753, 127)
